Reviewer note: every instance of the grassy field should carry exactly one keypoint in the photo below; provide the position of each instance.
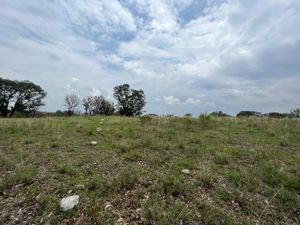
(239, 171)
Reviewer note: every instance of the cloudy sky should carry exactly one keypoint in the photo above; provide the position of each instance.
(187, 55)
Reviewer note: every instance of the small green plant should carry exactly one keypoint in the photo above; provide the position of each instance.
(23, 175)
(67, 169)
(221, 158)
(127, 178)
(174, 185)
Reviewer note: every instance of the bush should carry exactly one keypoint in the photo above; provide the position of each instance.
(205, 120)
(249, 113)
(219, 114)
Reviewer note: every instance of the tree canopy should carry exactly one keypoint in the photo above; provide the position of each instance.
(94, 105)
(130, 101)
(22, 96)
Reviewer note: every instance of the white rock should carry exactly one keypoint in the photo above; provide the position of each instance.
(120, 220)
(93, 142)
(69, 202)
(108, 206)
(186, 171)
(102, 120)
(99, 129)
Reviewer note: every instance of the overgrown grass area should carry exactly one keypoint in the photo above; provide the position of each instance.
(240, 170)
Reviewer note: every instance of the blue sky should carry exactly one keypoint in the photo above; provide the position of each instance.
(187, 55)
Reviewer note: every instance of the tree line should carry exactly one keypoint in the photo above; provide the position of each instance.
(130, 102)
(25, 97)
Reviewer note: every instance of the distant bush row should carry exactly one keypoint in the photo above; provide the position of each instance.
(295, 113)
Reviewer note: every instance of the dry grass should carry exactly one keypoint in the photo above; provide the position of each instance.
(243, 171)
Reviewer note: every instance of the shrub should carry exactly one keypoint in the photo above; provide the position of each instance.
(249, 113)
(219, 114)
(127, 178)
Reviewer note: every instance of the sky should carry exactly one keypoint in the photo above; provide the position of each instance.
(189, 56)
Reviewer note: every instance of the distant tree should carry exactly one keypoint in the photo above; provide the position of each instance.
(103, 106)
(23, 96)
(59, 113)
(295, 113)
(71, 103)
(94, 105)
(130, 101)
(219, 114)
(249, 113)
(188, 115)
(278, 115)
(88, 104)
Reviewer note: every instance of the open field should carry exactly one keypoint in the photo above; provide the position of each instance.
(239, 171)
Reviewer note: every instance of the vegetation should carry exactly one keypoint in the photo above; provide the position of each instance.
(219, 114)
(240, 170)
(20, 96)
(98, 105)
(130, 101)
(72, 102)
(249, 113)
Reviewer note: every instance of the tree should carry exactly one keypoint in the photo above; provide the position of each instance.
(88, 104)
(295, 113)
(249, 113)
(98, 105)
(130, 101)
(8, 90)
(71, 103)
(219, 114)
(23, 96)
(102, 106)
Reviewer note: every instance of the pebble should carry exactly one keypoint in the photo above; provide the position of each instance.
(186, 171)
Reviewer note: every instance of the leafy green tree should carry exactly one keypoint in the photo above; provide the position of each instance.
(8, 90)
(130, 101)
(23, 96)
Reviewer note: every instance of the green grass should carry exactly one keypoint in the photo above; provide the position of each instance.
(242, 170)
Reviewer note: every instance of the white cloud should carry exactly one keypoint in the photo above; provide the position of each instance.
(223, 53)
(75, 79)
(192, 101)
(95, 92)
(171, 100)
(98, 16)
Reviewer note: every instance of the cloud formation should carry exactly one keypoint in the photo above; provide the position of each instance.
(194, 56)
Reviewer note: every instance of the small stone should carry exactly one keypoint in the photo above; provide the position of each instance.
(93, 142)
(108, 206)
(139, 210)
(99, 129)
(120, 220)
(186, 171)
(69, 202)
